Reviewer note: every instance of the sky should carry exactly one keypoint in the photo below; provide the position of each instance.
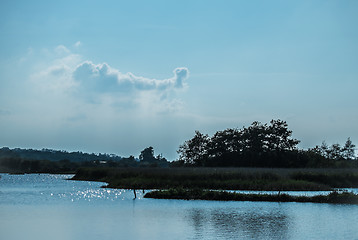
(120, 76)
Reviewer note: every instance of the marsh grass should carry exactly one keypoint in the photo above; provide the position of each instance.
(336, 180)
(222, 178)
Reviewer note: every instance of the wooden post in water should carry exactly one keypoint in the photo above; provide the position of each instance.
(135, 194)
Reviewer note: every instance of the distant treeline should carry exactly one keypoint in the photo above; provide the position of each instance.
(55, 155)
(261, 145)
(52, 161)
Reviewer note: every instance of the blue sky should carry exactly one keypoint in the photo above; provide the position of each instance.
(119, 76)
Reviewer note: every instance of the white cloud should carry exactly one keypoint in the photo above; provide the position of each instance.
(55, 73)
(61, 49)
(77, 44)
(69, 74)
(103, 78)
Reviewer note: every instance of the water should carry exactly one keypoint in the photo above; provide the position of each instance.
(48, 207)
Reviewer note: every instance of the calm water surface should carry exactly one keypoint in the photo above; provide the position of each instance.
(46, 206)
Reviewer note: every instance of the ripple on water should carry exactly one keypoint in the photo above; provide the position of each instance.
(47, 188)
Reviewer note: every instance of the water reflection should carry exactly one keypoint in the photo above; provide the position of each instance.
(199, 219)
(240, 222)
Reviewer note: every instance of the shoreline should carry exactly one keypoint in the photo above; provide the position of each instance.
(336, 196)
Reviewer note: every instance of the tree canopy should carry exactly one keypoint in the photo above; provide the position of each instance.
(259, 145)
(147, 158)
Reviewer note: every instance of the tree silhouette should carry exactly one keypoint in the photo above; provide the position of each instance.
(194, 151)
(348, 150)
(147, 155)
(257, 145)
(279, 136)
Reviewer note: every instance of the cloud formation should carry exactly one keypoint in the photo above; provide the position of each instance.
(70, 75)
(103, 78)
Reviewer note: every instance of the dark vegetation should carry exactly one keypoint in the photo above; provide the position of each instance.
(222, 178)
(54, 155)
(51, 161)
(262, 145)
(25, 165)
(199, 194)
(19, 165)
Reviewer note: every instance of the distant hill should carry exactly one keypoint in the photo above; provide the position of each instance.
(55, 155)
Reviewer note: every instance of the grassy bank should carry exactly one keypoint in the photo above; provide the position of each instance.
(198, 194)
(222, 178)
